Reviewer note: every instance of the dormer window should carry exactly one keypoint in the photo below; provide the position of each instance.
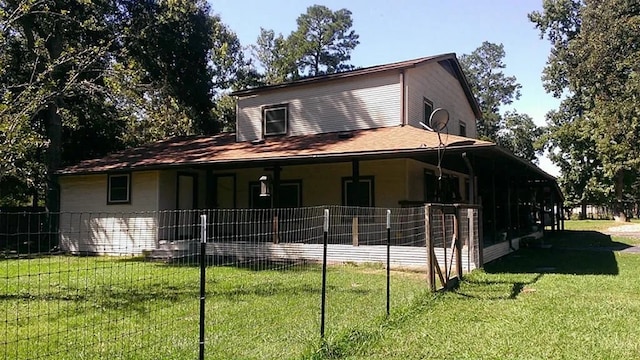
(428, 109)
(274, 120)
(463, 129)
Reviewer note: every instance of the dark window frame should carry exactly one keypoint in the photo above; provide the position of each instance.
(445, 191)
(110, 200)
(426, 117)
(363, 179)
(462, 128)
(266, 109)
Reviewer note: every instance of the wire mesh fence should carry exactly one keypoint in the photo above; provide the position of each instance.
(126, 285)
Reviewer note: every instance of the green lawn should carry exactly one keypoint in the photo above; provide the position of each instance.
(97, 307)
(597, 225)
(575, 300)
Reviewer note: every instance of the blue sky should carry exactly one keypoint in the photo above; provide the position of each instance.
(405, 29)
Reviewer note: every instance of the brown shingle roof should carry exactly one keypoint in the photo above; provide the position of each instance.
(223, 149)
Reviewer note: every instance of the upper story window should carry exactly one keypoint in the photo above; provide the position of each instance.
(119, 189)
(463, 129)
(428, 109)
(275, 119)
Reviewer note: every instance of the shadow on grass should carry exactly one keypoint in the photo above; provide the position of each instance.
(110, 297)
(570, 252)
(246, 263)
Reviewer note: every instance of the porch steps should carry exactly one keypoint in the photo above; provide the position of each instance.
(172, 250)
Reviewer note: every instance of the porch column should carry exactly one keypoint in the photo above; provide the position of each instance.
(518, 216)
(275, 203)
(540, 198)
(493, 200)
(509, 220)
(355, 178)
(275, 191)
(553, 212)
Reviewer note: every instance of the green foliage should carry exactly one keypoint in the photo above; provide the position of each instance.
(493, 89)
(321, 44)
(519, 135)
(80, 79)
(593, 64)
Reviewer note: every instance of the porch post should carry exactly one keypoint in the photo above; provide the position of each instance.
(355, 176)
(518, 217)
(553, 211)
(493, 200)
(509, 220)
(275, 202)
(355, 179)
(275, 191)
(540, 198)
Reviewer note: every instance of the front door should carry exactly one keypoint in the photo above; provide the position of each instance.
(186, 203)
(224, 186)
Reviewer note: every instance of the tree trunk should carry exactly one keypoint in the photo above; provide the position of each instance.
(54, 155)
(619, 213)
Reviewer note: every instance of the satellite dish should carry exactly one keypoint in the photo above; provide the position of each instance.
(439, 119)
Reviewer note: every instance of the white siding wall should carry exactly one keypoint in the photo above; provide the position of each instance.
(433, 82)
(88, 224)
(356, 103)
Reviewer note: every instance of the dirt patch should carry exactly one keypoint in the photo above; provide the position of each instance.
(631, 228)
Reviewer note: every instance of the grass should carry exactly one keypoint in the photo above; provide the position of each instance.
(121, 308)
(578, 299)
(595, 225)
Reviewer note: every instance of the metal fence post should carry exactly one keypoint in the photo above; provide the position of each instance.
(324, 271)
(388, 258)
(203, 271)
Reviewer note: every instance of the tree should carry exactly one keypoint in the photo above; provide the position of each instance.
(79, 79)
(593, 62)
(512, 130)
(519, 135)
(277, 57)
(325, 39)
(321, 44)
(493, 89)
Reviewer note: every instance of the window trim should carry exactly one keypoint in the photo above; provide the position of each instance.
(265, 109)
(256, 184)
(426, 116)
(110, 201)
(462, 125)
(372, 189)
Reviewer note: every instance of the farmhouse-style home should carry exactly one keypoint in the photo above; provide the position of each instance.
(353, 138)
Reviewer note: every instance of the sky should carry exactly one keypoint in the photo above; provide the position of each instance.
(397, 30)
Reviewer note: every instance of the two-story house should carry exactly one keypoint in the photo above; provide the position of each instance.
(351, 138)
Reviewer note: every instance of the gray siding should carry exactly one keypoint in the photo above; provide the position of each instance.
(357, 103)
(433, 82)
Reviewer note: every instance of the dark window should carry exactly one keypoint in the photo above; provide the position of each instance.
(463, 129)
(290, 195)
(119, 189)
(444, 190)
(275, 120)
(431, 187)
(363, 197)
(428, 109)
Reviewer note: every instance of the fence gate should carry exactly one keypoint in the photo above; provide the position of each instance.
(452, 243)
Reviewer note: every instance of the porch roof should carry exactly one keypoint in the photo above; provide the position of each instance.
(223, 149)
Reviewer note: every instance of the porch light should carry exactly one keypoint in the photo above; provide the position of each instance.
(265, 186)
